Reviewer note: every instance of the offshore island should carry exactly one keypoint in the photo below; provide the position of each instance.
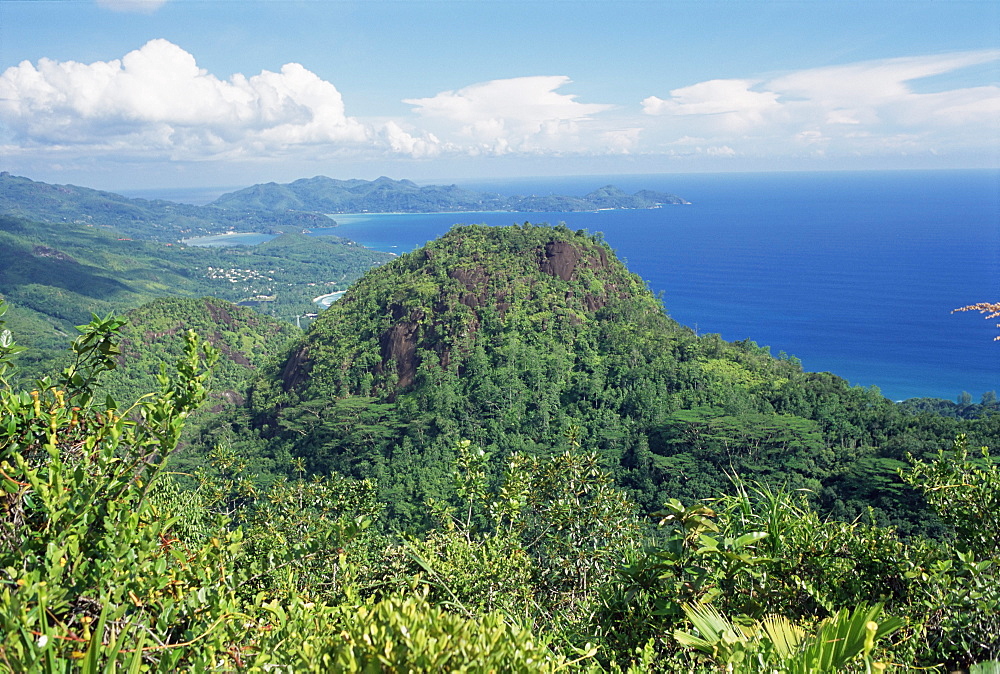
(385, 195)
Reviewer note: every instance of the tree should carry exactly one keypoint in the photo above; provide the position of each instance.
(991, 309)
(962, 588)
(107, 565)
(84, 551)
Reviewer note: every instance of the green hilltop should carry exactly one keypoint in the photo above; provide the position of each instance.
(517, 338)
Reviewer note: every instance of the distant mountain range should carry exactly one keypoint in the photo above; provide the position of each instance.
(384, 195)
(155, 220)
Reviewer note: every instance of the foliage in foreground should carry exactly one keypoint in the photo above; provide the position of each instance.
(106, 564)
(777, 644)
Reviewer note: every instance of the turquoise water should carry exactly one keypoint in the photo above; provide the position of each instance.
(854, 273)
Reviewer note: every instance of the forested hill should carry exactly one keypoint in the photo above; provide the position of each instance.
(529, 339)
(138, 218)
(151, 339)
(384, 195)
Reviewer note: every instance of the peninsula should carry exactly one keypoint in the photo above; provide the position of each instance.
(152, 220)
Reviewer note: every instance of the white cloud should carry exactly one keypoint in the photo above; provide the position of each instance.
(403, 142)
(156, 104)
(523, 114)
(156, 98)
(865, 107)
(872, 82)
(733, 102)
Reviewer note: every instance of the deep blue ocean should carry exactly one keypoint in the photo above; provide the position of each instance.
(854, 273)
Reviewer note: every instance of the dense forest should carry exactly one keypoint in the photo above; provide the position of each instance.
(151, 339)
(514, 337)
(496, 453)
(53, 275)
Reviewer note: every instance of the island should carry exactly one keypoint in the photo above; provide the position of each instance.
(385, 195)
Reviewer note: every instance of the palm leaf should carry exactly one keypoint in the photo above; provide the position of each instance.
(785, 636)
(717, 635)
(841, 638)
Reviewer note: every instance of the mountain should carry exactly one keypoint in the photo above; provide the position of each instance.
(529, 339)
(151, 338)
(54, 275)
(152, 341)
(155, 220)
(67, 252)
(384, 195)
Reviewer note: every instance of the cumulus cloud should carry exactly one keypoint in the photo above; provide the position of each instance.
(157, 98)
(859, 107)
(401, 141)
(156, 103)
(522, 114)
(734, 102)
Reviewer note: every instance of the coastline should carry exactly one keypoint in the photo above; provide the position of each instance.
(371, 214)
(212, 240)
(329, 298)
(797, 224)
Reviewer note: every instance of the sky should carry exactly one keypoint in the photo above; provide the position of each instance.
(134, 94)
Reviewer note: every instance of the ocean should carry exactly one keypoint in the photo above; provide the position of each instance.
(855, 273)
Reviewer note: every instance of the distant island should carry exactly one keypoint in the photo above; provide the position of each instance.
(385, 195)
(155, 220)
(273, 208)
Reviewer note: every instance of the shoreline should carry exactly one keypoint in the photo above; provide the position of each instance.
(329, 298)
(351, 218)
(210, 240)
(587, 210)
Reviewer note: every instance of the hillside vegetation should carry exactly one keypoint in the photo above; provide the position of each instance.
(519, 338)
(522, 556)
(155, 220)
(151, 340)
(54, 275)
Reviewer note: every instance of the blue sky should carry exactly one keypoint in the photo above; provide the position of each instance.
(125, 94)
